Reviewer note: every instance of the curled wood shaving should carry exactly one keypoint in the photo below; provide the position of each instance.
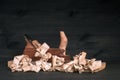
(44, 54)
(79, 64)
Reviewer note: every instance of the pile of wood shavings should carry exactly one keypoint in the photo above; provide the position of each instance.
(47, 60)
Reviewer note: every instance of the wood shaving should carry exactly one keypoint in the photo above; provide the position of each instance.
(52, 59)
